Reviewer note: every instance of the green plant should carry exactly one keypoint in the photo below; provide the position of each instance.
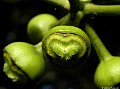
(102, 10)
(66, 45)
(39, 25)
(23, 62)
(88, 7)
(107, 73)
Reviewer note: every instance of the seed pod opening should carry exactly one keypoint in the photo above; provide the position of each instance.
(66, 45)
(22, 62)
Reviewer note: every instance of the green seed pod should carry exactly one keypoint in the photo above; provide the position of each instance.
(107, 73)
(39, 25)
(66, 45)
(23, 62)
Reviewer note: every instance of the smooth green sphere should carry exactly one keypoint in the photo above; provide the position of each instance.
(39, 25)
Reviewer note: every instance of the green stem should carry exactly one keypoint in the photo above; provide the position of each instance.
(39, 47)
(99, 47)
(91, 8)
(61, 3)
(66, 20)
(78, 17)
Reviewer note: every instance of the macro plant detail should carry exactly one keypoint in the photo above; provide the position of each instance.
(66, 45)
(39, 25)
(65, 42)
(23, 62)
(108, 70)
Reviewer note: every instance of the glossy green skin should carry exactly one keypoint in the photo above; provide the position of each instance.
(107, 73)
(66, 45)
(39, 25)
(68, 29)
(22, 61)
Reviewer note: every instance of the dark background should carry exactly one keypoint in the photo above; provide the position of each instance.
(14, 17)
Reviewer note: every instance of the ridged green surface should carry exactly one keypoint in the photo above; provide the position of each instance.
(66, 44)
(25, 57)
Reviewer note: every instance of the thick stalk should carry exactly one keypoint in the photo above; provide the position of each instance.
(91, 8)
(65, 20)
(77, 18)
(99, 47)
(68, 19)
(107, 73)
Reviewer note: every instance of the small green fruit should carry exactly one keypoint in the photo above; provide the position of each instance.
(23, 62)
(39, 25)
(66, 45)
(107, 73)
